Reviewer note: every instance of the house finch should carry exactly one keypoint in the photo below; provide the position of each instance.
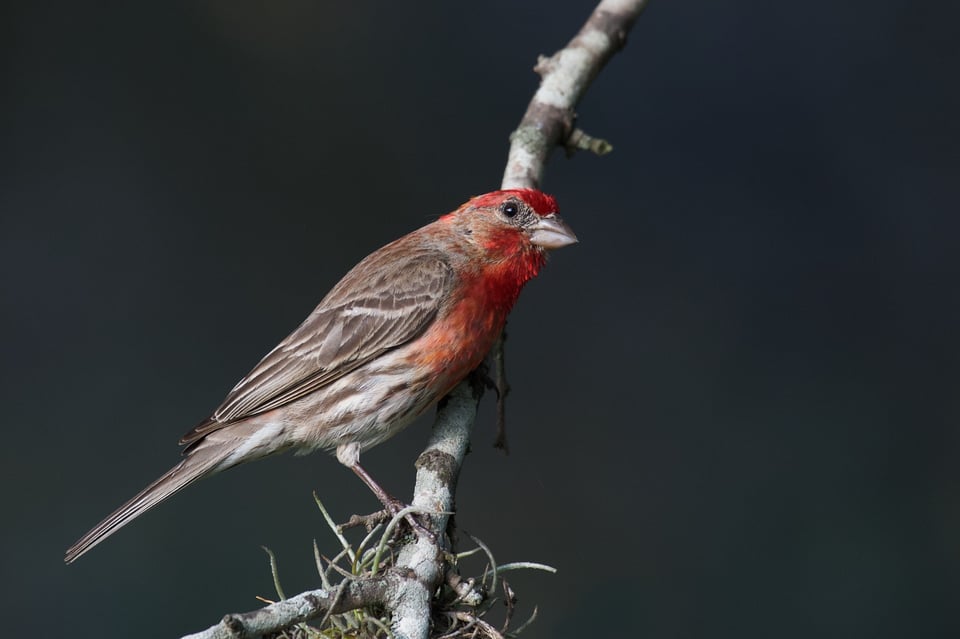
(395, 335)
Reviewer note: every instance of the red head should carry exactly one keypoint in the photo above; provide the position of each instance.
(541, 203)
(513, 220)
(506, 235)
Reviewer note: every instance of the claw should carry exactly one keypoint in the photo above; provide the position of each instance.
(391, 504)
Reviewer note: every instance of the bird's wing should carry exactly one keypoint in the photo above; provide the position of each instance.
(384, 302)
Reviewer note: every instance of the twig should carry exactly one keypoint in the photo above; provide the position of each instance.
(437, 470)
(503, 389)
(302, 607)
(566, 75)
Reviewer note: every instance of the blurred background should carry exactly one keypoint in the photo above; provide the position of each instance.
(735, 407)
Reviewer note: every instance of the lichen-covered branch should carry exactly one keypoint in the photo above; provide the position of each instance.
(406, 589)
(304, 607)
(565, 76)
(438, 468)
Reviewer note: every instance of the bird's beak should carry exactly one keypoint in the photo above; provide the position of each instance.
(551, 232)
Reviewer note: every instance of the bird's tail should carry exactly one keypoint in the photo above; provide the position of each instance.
(199, 464)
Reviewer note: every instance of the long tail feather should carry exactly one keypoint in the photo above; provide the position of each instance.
(198, 465)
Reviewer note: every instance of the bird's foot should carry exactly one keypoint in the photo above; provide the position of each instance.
(393, 506)
(369, 522)
(396, 507)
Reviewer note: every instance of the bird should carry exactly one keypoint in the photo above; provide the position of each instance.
(394, 336)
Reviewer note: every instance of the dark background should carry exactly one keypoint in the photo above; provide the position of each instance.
(735, 401)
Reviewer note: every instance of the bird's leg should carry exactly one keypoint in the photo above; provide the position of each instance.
(348, 454)
(391, 503)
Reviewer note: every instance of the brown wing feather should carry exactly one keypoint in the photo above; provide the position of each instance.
(383, 302)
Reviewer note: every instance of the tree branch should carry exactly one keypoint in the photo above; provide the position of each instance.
(305, 606)
(549, 120)
(407, 589)
(438, 468)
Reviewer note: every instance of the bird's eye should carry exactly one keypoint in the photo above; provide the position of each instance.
(510, 209)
